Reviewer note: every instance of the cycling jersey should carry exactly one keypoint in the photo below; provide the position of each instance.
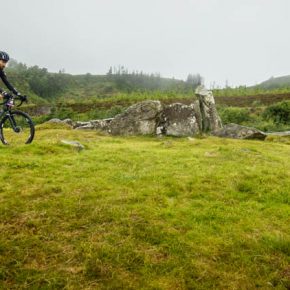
(7, 84)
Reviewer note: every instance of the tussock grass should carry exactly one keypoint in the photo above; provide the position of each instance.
(144, 213)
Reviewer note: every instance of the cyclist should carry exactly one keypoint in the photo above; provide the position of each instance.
(4, 58)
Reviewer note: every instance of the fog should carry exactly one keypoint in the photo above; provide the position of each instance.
(242, 42)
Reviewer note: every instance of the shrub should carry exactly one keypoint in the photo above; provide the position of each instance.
(234, 115)
(279, 113)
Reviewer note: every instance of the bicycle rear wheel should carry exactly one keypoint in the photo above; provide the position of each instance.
(16, 128)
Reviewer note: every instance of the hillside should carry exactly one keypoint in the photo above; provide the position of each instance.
(103, 86)
(44, 86)
(120, 85)
(276, 83)
(206, 214)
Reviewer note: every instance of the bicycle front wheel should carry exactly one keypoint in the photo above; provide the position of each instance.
(16, 128)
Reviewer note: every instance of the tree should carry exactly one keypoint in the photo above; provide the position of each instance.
(194, 80)
(110, 72)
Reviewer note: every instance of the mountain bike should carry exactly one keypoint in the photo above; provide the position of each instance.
(16, 127)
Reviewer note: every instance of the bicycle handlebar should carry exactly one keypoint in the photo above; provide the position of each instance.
(10, 97)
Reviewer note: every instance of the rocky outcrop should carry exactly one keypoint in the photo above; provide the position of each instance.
(153, 118)
(239, 132)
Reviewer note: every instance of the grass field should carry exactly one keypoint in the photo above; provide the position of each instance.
(144, 213)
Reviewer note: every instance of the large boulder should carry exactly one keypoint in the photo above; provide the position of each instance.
(239, 132)
(179, 120)
(209, 115)
(139, 119)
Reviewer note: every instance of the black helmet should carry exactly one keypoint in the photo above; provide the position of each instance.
(4, 56)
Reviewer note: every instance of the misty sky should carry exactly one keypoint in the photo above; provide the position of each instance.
(241, 41)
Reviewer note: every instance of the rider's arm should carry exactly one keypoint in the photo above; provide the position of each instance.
(7, 84)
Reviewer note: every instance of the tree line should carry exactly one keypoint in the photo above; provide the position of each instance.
(41, 82)
(49, 85)
(135, 80)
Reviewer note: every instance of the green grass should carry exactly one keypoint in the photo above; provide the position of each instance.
(144, 213)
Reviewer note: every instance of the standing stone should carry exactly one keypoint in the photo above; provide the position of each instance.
(139, 119)
(210, 118)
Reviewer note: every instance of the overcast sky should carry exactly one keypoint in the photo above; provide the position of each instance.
(240, 41)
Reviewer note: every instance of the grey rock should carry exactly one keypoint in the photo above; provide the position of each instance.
(59, 121)
(196, 107)
(68, 121)
(88, 126)
(209, 115)
(54, 120)
(180, 120)
(74, 144)
(102, 124)
(80, 124)
(139, 119)
(159, 130)
(285, 133)
(239, 132)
